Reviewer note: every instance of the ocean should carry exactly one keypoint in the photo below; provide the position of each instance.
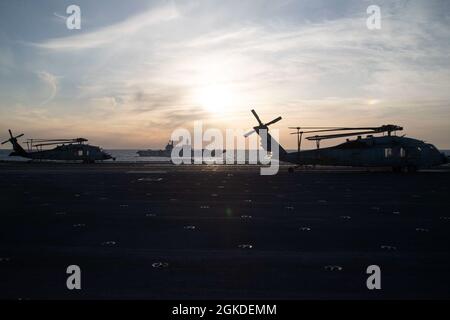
(122, 155)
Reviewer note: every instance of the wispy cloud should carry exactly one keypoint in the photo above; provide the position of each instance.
(113, 33)
(52, 82)
(146, 73)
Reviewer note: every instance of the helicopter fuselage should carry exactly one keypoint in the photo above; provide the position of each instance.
(67, 152)
(387, 151)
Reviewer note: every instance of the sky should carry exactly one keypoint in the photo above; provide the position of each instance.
(138, 70)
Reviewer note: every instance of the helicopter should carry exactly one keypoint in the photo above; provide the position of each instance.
(400, 153)
(66, 149)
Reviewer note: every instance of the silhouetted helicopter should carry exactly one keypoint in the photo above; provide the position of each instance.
(66, 149)
(399, 153)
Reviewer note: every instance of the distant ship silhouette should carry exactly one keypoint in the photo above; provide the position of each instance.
(167, 152)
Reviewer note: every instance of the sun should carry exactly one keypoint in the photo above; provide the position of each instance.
(215, 98)
(373, 101)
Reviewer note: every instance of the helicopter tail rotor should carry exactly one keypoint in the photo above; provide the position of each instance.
(261, 124)
(18, 150)
(12, 139)
(267, 139)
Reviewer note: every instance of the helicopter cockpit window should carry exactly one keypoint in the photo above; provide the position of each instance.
(388, 152)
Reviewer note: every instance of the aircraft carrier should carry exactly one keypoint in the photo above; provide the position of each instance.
(160, 231)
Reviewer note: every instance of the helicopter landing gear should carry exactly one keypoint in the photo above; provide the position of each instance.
(407, 169)
(292, 169)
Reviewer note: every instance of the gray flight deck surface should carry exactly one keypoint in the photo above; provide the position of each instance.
(155, 231)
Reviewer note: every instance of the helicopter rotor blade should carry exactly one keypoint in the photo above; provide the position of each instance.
(49, 140)
(261, 124)
(336, 128)
(328, 130)
(257, 117)
(50, 143)
(12, 137)
(338, 135)
(249, 133)
(314, 131)
(55, 140)
(273, 121)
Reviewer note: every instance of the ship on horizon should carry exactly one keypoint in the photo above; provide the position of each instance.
(157, 153)
(166, 152)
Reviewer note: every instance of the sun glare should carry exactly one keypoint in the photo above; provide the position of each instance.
(215, 98)
(373, 101)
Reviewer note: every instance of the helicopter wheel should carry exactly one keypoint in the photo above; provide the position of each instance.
(291, 170)
(411, 169)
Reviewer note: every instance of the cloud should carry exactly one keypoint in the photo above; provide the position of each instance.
(6, 60)
(60, 16)
(113, 33)
(52, 82)
(146, 70)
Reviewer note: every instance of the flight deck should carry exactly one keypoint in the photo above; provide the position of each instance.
(160, 231)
